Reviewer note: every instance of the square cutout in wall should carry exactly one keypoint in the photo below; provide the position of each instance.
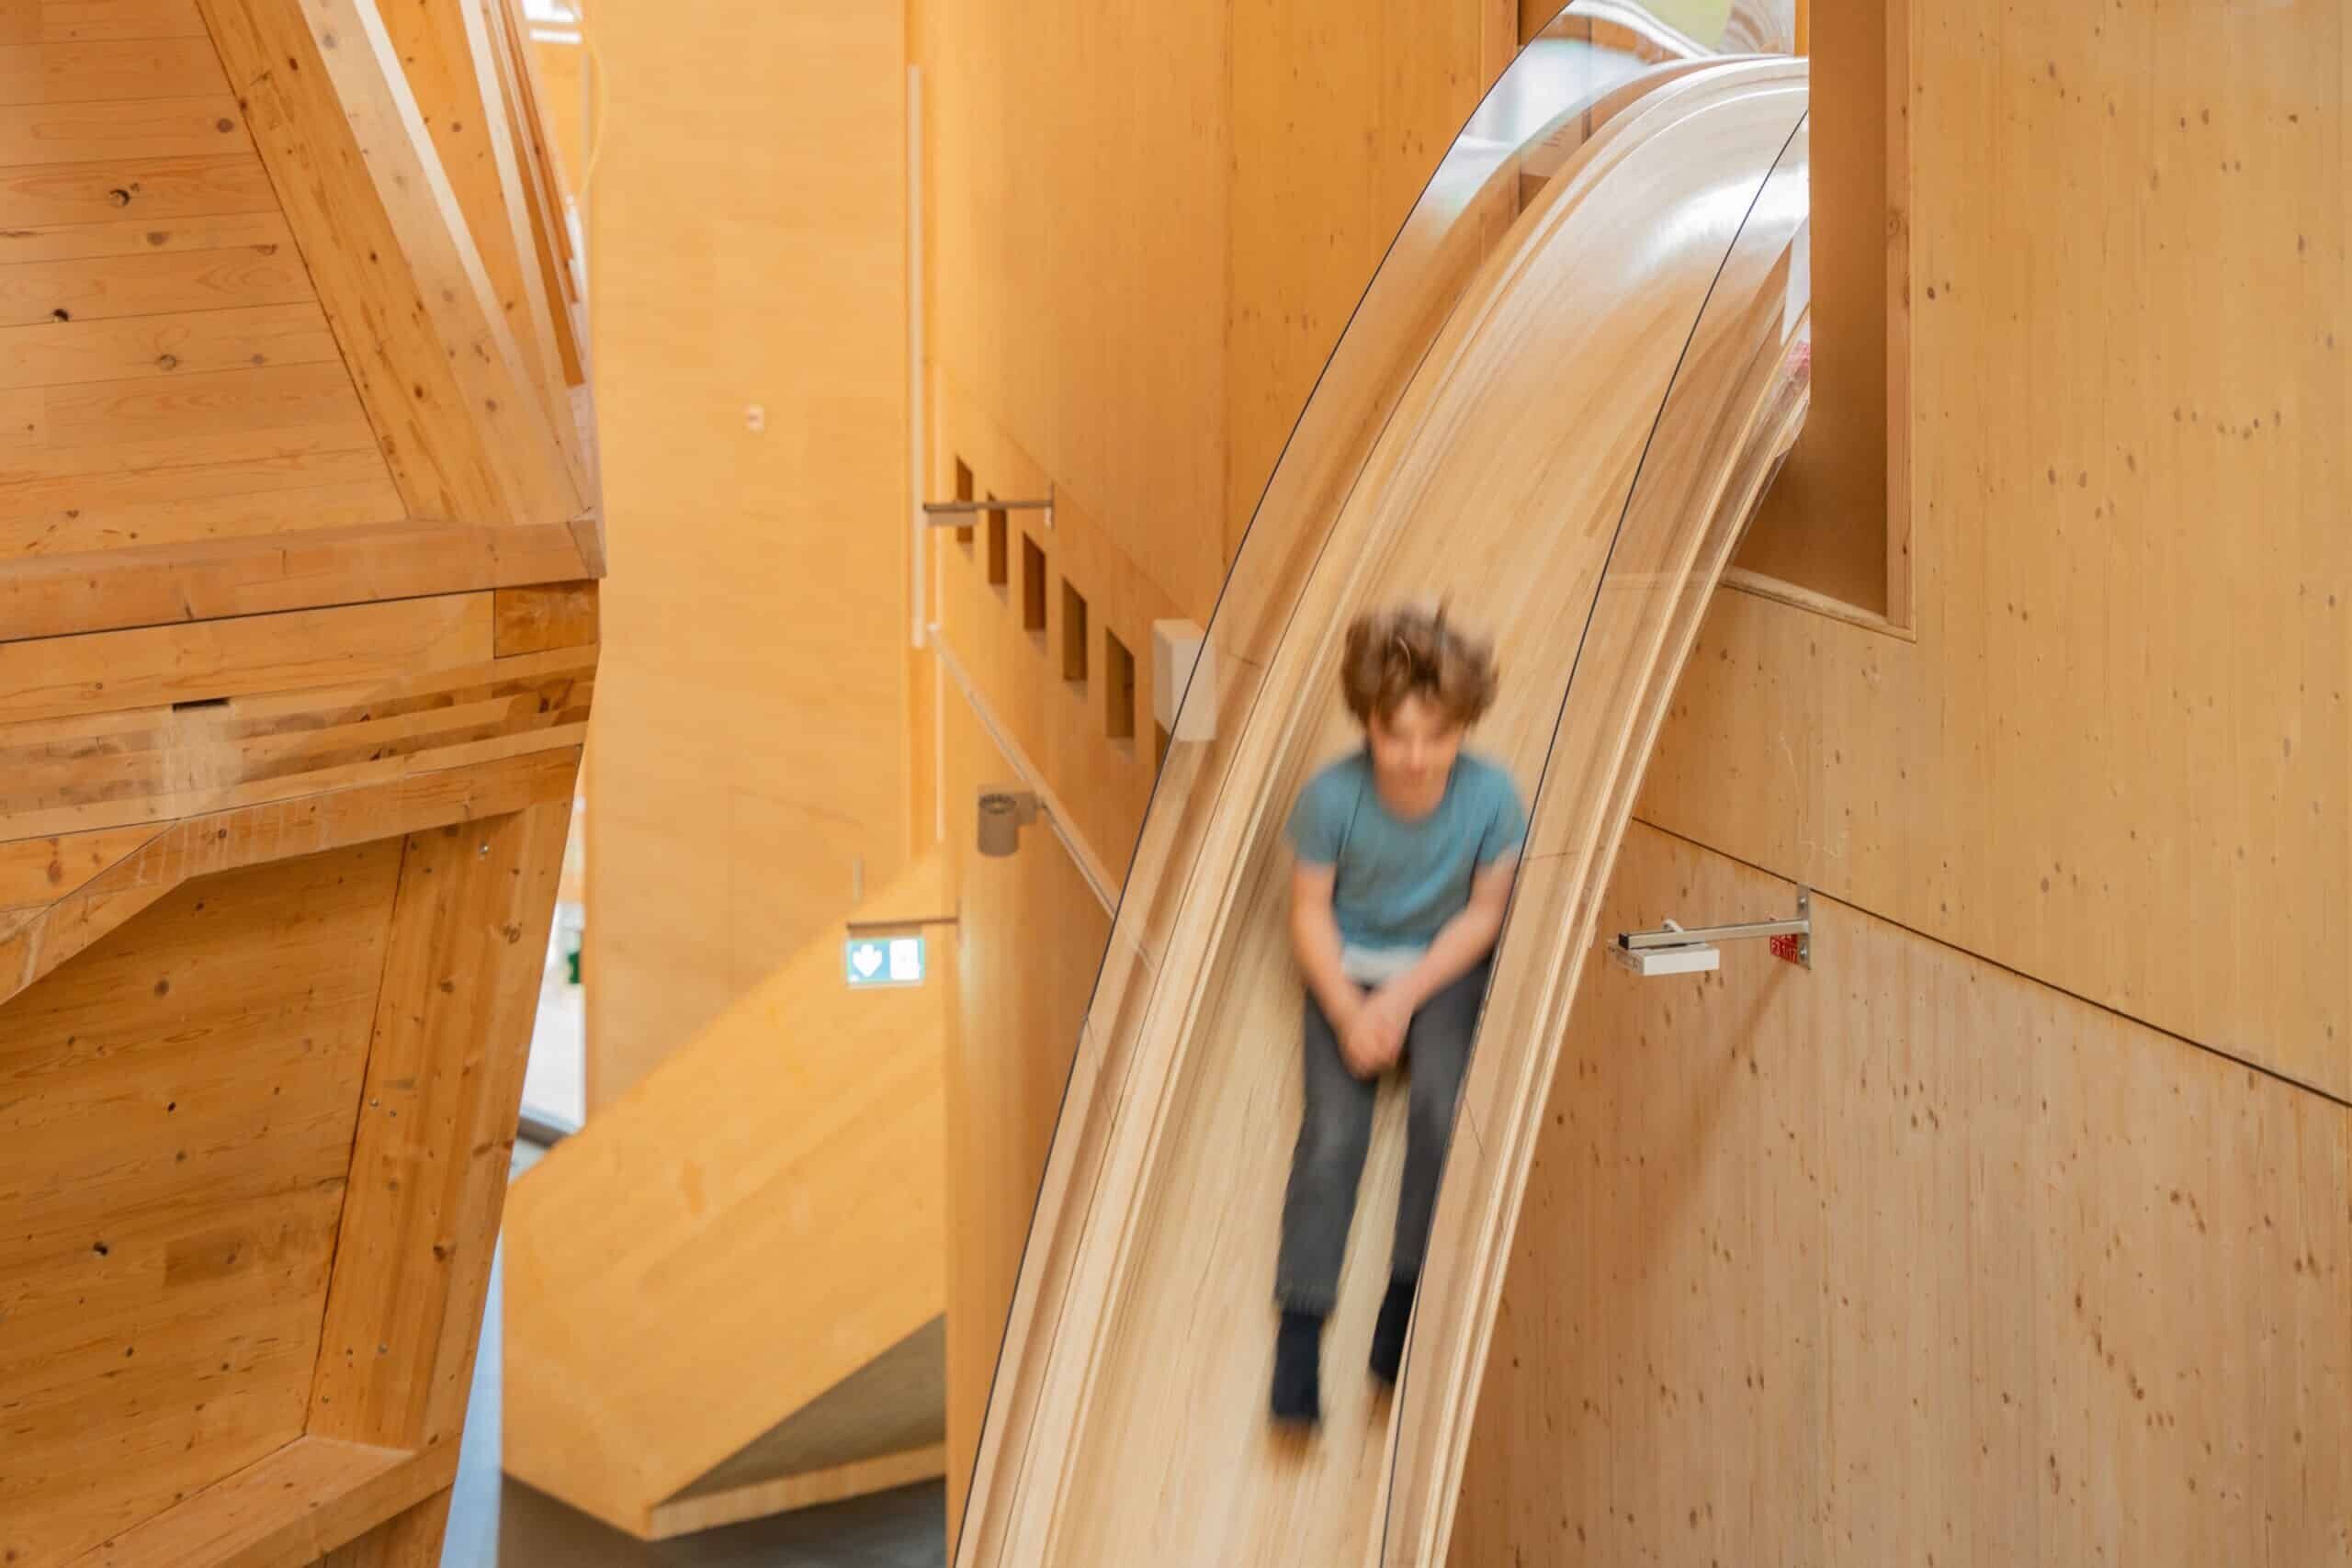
(1073, 635)
(1118, 692)
(999, 546)
(964, 493)
(1033, 590)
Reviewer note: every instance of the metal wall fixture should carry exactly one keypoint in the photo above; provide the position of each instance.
(1679, 950)
(1002, 814)
(955, 514)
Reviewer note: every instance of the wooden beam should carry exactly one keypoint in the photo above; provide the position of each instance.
(111, 672)
(44, 596)
(436, 1129)
(412, 1540)
(289, 1511)
(447, 56)
(539, 619)
(396, 267)
(217, 841)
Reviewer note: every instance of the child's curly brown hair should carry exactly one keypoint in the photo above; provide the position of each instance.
(1410, 651)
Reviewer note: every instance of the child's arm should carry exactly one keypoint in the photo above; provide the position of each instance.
(1315, 942)
(1460, 943)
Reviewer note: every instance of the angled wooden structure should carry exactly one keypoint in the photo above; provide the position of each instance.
(724, 1294)
(1602, 399)
(298, 639)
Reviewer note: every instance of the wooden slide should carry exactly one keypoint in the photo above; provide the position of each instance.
(1557, 405)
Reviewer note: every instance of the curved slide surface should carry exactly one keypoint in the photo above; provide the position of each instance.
(1557, 404)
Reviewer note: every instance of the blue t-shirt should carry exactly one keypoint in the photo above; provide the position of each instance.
(1399, 882)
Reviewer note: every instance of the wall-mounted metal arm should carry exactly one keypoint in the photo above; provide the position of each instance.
(1677, 949)
(950, 513)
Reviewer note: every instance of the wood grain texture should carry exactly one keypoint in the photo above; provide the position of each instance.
(152, 191)
(753, 720)
(1030, 939)
(100, 673)
(1099, 334)
(2117, 757)
(172, 1158)
(242, 574)
(449, 57)
(1909, 1254)
(1507, 417)
(40, 940)
(67, 293)
(398, 271)
(67, 21)
(542, 618)
(291, 1510)
(1327, 163)
(413, 1539)
(109, 70)
(436, 1129)
(803, 1124)
(1833, 522)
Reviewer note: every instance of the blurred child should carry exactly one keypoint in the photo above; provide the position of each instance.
(1405, 852)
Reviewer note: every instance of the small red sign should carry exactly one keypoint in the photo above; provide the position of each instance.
(1784, 947)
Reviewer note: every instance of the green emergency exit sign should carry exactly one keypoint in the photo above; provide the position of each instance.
(871, 962)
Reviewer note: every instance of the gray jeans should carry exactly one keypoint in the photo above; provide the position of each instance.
(1335, 1133)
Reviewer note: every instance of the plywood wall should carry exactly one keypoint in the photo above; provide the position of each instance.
(1030, 940)
(1909, 1257)
(2116, 755)
(167, 375)
(1145, 228)
(175, 1156)
(747, 248)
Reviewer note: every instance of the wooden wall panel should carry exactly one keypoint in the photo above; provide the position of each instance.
(1835, 521)
(1030, 940)
(1909, 1257)
(1340, 113)
(1076, 160)
(166, 374)
(172, 1162)
(2117, 757)
(1129, 302)
(748, 242)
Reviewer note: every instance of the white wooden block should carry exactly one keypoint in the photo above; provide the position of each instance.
(1180, 654)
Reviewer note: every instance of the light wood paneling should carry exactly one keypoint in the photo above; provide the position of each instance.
(452, 397)
(412, 1540)
(752, 751)
(1031, 940)
(1132, 291)
(1341, 112)
(173, 1165)
(436, 1131)
(166, 373)
(149, 584)
(1077, 159)
(2117, 758)
(776, 1182)
(538, 619)
(1836, 521)
(1061, 727)
(289, 1510)
(1908, 1255)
